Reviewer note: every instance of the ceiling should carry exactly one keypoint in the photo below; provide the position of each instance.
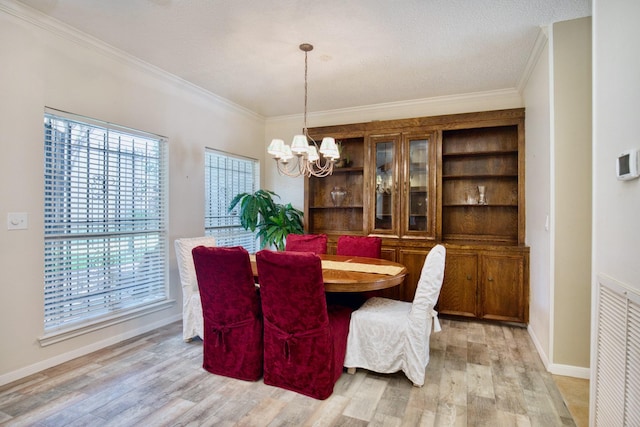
(366, 51)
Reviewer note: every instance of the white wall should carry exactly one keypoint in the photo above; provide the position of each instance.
(572, 190)
(558, 169)
(616, 102)
(49, 65)
(538, 197)
(616, 128)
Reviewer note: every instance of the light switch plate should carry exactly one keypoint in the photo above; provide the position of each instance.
(17, 221)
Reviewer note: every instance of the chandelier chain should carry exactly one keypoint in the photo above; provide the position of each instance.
(305, 131)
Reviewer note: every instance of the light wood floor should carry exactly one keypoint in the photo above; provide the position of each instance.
(480, 374)
(575, 392)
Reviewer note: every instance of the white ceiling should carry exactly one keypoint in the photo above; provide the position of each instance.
(366, 51)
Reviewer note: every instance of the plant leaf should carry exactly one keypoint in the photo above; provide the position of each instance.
(274, 221)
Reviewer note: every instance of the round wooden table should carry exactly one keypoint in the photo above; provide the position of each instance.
(339, 277)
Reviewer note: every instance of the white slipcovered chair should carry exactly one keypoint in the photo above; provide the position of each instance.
(387, 336)
(192, 323)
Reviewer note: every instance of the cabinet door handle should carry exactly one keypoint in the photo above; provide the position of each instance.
(468, 277)
(490, 279)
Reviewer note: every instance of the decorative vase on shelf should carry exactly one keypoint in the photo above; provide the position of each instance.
(481, 193)
(337, 196)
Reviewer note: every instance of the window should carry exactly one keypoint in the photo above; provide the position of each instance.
(225, 177)
(105, 216)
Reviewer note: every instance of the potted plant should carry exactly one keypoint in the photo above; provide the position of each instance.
(272, 220)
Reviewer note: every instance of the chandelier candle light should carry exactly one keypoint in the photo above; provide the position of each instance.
(307, 160)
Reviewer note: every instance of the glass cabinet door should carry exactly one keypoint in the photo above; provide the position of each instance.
(385, 176)
(418, 217)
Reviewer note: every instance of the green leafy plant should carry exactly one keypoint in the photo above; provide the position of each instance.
(258, 211)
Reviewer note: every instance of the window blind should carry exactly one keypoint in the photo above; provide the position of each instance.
(105, 216)
(225, 177)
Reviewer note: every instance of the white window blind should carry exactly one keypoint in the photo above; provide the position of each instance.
(104, 221)
(225, 177)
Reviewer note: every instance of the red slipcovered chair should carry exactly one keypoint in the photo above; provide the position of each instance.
(304, 340)
(370, 247)
(233, 344)
(316, 243)
(366, 246)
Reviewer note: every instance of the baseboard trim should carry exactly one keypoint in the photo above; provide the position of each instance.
(555, 368)
(65, 357)
(541, 353)
(570, 371)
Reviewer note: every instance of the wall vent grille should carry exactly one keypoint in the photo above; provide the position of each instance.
(617, 400)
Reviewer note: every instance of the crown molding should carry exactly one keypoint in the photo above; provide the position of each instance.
(538, 47)
(450, 104)
(64, 31)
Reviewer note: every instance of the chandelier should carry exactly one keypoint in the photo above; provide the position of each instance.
(301, 157)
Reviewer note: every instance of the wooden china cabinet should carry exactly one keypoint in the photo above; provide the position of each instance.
(454, 179)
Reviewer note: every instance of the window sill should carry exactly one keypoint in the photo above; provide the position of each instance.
(60, 335)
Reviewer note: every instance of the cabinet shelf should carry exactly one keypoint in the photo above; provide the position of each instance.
(337, 207)
(477, 205)
(349, 169)
(481, 176)
(481, 153)
(418, 166)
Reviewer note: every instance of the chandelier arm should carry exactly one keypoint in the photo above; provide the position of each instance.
(289, 169)
(302, 166)
(320, 170)
(312, 140)
(327, 172)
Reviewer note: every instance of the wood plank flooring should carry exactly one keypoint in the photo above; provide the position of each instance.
(480, 374)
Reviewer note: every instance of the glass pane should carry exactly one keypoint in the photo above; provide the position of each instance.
(384, 185)
(418, 184)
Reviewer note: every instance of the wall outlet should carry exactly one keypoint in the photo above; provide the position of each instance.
(546, 223)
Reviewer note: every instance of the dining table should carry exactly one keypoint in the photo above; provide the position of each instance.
(355, 274)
